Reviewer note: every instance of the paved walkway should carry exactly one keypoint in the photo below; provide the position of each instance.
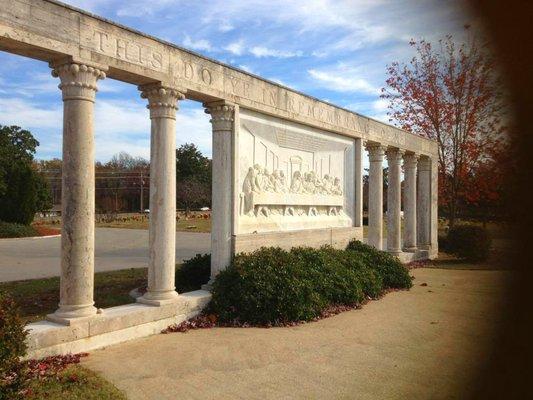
(115, 249)
(418, 344)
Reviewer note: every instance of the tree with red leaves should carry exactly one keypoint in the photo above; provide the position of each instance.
(451, 93)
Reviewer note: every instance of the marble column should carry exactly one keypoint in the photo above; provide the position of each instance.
(78, 87)
(424, 203)
(375, 195)
(409, 209)
(394, 201)
(434, 209)
(162, 103)
(222, 120)
(358, 172)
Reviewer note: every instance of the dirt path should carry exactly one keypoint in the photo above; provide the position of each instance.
(424, 343)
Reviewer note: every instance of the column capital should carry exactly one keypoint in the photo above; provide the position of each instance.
(162, 100)
(410, 160)
(394, 155)
(222, 115)
(78, 79)
(424, 164)
(376, 151)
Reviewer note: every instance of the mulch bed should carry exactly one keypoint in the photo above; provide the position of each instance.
(46, 231)
(206, 321)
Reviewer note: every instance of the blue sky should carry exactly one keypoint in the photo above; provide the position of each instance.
(334, 50)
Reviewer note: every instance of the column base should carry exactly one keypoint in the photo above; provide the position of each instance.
(158, 298)
(209, 285)
(73, 316)
(394, 252)
(411, 249)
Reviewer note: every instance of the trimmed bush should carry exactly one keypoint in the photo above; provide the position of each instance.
(443, 243)
(12, 348)
(370, 281)
(393, 273)
(193, 273)
(470, 242)
(13, 230)
(265, 287)
(272, 286)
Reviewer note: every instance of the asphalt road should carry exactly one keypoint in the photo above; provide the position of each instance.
(115, 249)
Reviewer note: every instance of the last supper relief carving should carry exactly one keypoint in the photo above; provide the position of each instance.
(292, 177)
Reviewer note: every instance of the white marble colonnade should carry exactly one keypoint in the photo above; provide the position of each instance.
(79, 87)
(419, 200)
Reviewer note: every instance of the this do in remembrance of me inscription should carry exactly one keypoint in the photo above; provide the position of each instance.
(184, 69)
(291, 177)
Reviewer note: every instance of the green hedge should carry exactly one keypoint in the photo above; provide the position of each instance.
(388, 267)
(471, 242)
(272, 286)
(13, 230)
(193, 273)
(12, 348)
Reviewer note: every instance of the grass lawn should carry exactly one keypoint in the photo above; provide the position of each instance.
(74, 383)
(38, 297)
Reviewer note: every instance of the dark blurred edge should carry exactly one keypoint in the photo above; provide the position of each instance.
(509, 372)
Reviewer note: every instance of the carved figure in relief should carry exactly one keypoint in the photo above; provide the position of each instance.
(327, 184)
(296, 183)
(270, 182)
(337, 187)
(277, 182)
(283, 180)
(248, 187)
(259, 178)
(249, 182)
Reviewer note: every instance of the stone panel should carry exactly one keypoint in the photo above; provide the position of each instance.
(291, 177)
(336, 237)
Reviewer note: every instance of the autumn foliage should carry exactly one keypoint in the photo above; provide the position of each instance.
(451, 93)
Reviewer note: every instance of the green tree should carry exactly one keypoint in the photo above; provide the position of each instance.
(191, 163)
(193, 177)
(23, 190)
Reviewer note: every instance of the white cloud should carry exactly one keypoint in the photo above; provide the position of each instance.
(246, 68)
(283, 83)
(381, 117)
(18, 111)
(236, 48)
(319, 53)
(261, 51)
(225, 26)
(125, 126)
(201, 44)
(380, 105)
(119, 125)
(342, 81)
